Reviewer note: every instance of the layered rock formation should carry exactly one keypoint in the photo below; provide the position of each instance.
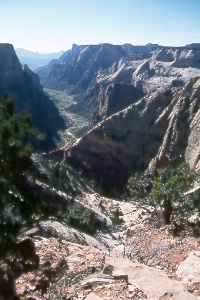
(94, 68)
(157, 130)
(77, 66)
(24, 87)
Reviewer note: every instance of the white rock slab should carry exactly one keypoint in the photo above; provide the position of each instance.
(189, 270)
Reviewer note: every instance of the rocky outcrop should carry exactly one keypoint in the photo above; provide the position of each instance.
(181, 138)
(151, 133)
(69, 234)
(24, 87)
(192, 153)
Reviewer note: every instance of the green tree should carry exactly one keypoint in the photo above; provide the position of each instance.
(16, 133)
(168, 190)
(16, 212)
(139, 185)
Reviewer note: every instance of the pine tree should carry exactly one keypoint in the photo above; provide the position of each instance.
(17, 134)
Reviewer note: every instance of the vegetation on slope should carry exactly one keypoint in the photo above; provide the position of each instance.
(167, 192)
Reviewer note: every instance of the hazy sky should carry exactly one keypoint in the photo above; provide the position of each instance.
(54, 25)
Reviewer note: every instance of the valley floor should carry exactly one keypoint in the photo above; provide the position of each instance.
(77, 124)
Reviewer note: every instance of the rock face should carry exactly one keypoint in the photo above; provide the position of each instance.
(97, 69)
(113, 98)
(78, 66)
(148, 134)
(24, 87)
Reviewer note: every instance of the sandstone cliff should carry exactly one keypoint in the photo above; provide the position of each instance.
(93, 68)
(159, 129)
(24, 87)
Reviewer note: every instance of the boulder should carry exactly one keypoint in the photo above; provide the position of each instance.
(69, 234)
(189, 270)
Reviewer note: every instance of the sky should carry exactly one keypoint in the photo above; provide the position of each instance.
(53, 25)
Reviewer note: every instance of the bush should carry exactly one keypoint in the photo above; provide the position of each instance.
(139, 185)
(166, 191)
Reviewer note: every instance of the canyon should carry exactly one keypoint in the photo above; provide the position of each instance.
(94, 70)
(140, 112)
(142, 101)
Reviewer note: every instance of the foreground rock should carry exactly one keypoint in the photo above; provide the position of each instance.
(189, 270)
(62, 265)
(82, 272)
(153, 283)
(134, 261)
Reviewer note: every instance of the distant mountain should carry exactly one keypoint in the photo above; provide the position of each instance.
(193, 46)
(37, 55)
(24, 87)
(35, 59)
(91, 69)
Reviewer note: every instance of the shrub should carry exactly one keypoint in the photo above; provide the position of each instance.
(139, 185)
(166, 191)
